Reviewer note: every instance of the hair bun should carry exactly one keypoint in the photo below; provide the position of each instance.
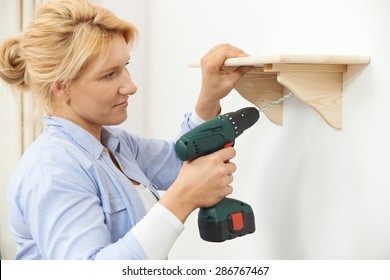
(12, 64)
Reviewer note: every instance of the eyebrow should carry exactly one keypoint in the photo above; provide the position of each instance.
(112, 68)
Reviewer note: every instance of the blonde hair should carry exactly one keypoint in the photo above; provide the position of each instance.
(60, 42)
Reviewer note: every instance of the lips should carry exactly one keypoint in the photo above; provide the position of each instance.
(123, 103)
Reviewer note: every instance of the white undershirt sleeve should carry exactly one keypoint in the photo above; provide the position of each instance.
(196, 119)
(157, 232)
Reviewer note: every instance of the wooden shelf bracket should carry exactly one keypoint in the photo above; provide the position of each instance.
(316, 79)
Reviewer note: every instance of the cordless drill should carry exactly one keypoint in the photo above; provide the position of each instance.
(229, 218)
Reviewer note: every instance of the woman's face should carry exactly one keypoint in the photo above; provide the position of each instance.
(99, 95)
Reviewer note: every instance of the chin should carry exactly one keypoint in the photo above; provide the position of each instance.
(121, 120)
(117, 121)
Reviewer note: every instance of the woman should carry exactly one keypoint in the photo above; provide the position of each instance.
(85, 189)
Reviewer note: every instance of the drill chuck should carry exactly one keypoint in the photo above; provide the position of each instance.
(243, 119)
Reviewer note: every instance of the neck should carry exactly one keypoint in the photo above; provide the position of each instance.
(95, 130)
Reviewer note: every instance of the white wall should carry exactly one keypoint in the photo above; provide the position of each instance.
(317, 193)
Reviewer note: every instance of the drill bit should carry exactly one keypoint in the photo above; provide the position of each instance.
(273, 103)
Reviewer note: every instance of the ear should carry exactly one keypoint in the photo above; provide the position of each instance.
(60, 91)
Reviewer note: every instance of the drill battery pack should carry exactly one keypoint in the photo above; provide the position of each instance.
(228, 219)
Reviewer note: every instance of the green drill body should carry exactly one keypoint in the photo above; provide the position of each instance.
(229, 218)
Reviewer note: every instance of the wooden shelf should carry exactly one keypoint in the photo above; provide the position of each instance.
(316, 79)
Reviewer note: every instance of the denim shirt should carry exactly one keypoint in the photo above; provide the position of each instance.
(68, 200)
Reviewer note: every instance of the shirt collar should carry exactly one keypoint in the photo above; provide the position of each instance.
(82, 137)
(110, 140)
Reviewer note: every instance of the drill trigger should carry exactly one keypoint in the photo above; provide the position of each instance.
(227, 145)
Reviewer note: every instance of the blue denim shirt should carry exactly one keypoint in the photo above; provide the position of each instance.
(68, 200)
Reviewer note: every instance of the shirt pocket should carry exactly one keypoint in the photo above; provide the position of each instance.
(117, 218)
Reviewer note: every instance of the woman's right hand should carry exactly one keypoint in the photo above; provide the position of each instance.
(218, 82)
(202, 182)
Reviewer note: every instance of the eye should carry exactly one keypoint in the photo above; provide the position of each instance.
(109, 76)
(126, 66)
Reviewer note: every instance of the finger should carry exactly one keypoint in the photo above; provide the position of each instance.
(234, 52)
(226, 154)
(245, 69)
(230, 168)
(237, 74)
(229, 190)
(229, 49)
(218, 54)
(230, 179)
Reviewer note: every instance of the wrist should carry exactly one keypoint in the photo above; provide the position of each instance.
(177, 204)
(206, 108)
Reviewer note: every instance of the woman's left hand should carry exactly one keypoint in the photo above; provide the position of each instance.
(217, 82)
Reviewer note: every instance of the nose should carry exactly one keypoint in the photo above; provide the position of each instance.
(128, 89)
(127, 86)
